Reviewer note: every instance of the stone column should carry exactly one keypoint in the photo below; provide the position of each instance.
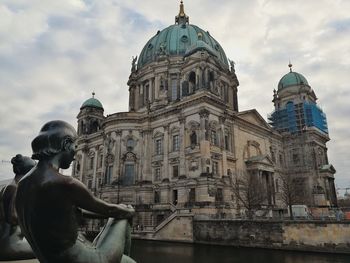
(166, 170)
(204, 144)
(156, 87)
(132, 98)
(206, 78)
(222, 142)
(117, 154)
(95, 168)
(170, 89)
(82, 164)
(137, 97)
(273, 190)
(198, 78)
(104, 164)
(152, 86)
(141, 154)
(233, 141)
(182, 146)
(146, 156)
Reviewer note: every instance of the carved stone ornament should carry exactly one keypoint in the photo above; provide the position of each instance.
(193, 165)
(204, 113)
(91, 154)
(129, 156)
(174, 160)
(110, 159)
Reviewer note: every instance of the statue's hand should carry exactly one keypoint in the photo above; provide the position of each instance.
(125, 211)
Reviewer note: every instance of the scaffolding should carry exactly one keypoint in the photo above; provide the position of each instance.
(295, 118)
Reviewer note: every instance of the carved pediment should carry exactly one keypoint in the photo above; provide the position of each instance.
(254, 117)
(327, 168)
(260, 162)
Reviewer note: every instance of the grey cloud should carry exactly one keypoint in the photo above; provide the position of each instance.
(341, 25)
(75, 47)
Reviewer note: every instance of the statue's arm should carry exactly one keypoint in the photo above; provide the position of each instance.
(9, 204)
(91, 215)
(96, 207)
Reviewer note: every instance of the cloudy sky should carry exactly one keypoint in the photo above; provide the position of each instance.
(53, 54)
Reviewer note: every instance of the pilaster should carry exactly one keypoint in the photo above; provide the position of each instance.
(182, 146)
(117, 155)
(166, 169)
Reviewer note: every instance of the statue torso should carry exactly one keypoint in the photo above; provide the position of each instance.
(46, 213)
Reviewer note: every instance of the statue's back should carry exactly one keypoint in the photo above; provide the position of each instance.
(46, 215)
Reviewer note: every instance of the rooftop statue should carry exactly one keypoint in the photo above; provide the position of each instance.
(12, 242)
(133, 64)
(49, 205)
(232, 64)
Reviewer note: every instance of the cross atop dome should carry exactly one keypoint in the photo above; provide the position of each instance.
(290, 65)
(182, 18)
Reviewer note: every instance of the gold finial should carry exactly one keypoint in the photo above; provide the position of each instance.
(181, 18)
(93, 94)
(290, 65)
(182, 9)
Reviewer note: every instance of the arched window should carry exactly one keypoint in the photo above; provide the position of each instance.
(91, 162)
(108, 174)
(101, 160)
(129, 169)
(129, 174)
(94, 126)
(192, 82)
(130, 143)
(227, 140)
(213, 137)
(193, 138)
(174, 91)
(211, 83)
(158, 143)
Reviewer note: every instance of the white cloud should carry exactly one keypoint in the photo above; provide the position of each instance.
(53, 54)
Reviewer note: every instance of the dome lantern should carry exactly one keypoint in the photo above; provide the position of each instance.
(92, 102)
(292, 78)
(182, 18)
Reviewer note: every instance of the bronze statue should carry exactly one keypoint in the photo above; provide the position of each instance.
(13, 245)
(133, 64)
(49, 205)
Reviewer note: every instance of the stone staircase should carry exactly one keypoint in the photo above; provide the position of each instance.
(151, 232)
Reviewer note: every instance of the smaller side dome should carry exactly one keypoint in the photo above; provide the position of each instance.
(92, 102)
(292, 79)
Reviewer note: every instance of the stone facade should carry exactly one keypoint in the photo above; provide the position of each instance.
(291, 235)
(183, 143)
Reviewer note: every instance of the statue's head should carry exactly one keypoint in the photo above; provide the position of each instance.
(22, 164)
(55, 138)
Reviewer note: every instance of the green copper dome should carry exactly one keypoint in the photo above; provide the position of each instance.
(92, 102)
(180, 39)
(292, 79)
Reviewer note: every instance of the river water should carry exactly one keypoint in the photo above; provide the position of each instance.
(160, 252)
(166, 252)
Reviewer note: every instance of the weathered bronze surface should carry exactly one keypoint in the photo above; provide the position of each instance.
(13, 245)
(49, 205)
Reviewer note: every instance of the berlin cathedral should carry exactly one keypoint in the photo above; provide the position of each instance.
(184, 146)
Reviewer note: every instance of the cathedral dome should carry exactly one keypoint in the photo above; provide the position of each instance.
(180, 39)
(92, 102)
(292, 79)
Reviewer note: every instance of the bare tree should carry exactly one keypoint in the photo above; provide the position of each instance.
(249, 192)
(292, 191)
